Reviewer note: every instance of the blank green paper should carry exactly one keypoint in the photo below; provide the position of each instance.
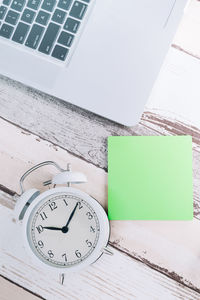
(150, 178)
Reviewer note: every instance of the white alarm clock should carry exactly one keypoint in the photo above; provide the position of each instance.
(64, 228)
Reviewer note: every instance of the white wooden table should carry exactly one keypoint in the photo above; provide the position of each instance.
(152, 260)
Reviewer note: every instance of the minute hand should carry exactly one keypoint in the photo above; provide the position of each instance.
(71, 216)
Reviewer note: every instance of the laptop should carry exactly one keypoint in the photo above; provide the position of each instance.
(101, 55)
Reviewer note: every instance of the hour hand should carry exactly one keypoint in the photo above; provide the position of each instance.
(52, 228)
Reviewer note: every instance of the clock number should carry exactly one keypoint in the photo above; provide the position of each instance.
(65, 202)
(78, 254)
(53, 205)
(80, 205)
(90, 216)
(41, 244)
(43, 216)
(64, 256)
(92, 229)
(39, 228)
(88, 243)
(51, 255)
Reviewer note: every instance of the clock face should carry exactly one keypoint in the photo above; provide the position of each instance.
(63, 230)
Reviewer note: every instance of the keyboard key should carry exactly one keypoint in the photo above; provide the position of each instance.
(86, 1)
(34, 36)
(65, 39)
(6, 2)
(20, 33)
(49, 38)
(60, 52)
(12, 17)
(59, 16)
(3, 11)
(48, 5)
(34, 4)
(28, 16)
(18, 5)
(6, 31)
(42, 17)
(78, 10)
(71, 25)
(64, 4)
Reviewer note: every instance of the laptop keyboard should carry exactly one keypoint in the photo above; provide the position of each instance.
(47, 26)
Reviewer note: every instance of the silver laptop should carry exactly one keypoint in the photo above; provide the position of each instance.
(102, 55)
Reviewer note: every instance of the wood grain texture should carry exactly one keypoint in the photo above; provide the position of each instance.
(69, 127)
(116, 277)
(163, 248)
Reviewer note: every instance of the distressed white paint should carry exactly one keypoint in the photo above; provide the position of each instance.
(20, 150)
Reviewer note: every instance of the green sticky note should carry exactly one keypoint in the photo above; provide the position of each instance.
(150, 178)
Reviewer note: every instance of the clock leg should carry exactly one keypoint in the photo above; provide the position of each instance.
(62, 278)
(107, 251)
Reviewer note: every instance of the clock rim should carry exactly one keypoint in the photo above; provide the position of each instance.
(103, 234)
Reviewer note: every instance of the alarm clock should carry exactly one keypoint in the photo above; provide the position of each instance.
(64, 229)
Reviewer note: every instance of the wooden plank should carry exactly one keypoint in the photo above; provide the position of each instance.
(164, 247)
(116, 277)
(17, 155)
(11, 291)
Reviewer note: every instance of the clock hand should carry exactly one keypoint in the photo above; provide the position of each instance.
(65, 228)
(52, 228)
